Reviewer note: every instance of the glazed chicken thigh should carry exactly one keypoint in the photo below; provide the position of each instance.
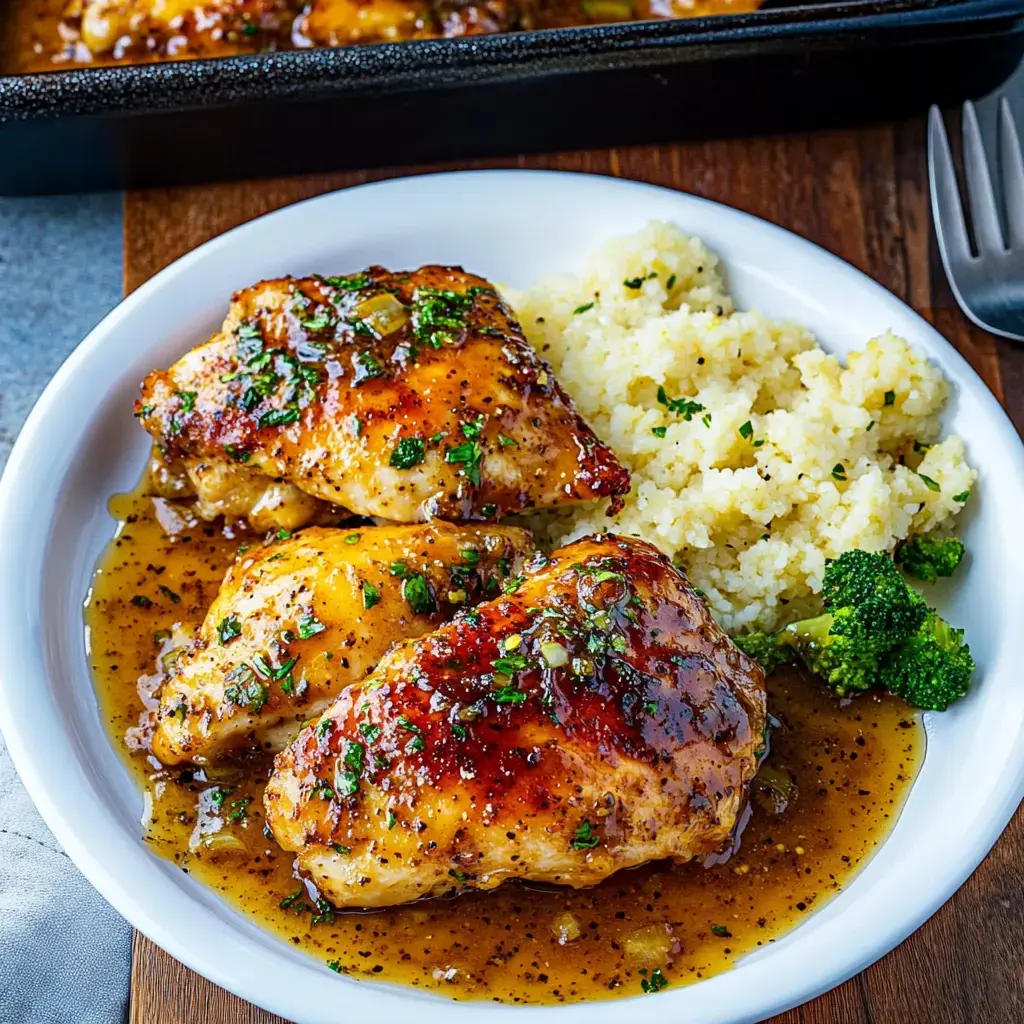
(591, 718)
(298, 620)
(408, 396)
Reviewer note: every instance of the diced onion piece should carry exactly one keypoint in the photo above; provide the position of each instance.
(648, 946)
(383, 312)
(566, 928)
(773, 789)
(224, 841)
(608, 10)
(554, 654)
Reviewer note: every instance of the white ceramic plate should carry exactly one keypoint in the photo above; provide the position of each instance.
(81, 445)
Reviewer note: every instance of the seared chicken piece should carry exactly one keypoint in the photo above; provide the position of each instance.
(233, 491)
(179, 28)
(592, 718)
(341, 22)
(297, 621)
(406, 396)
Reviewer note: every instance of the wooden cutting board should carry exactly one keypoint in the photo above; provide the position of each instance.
(863, 195)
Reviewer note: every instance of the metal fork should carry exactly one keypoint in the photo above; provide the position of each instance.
(989, 282)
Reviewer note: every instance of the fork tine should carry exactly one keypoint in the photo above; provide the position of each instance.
(1013, 174)
(988, 235)
(947, 212)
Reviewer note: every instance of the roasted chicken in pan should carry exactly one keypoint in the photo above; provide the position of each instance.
(408, 396)
(298, 620)
(591, 718)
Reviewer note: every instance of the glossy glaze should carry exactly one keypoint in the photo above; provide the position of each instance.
(591, 718)
(408, 396)
(833, 785)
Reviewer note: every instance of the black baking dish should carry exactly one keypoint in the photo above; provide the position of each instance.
(275, 113)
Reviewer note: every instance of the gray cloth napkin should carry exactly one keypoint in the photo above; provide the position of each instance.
(64, 952)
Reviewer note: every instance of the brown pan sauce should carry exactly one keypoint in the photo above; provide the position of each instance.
(828, 794)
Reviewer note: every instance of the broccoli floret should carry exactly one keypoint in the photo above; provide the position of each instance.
(928, 558)
(877, 631)
(886, 610)
(836, 647)
(765, 648)
(932, 669)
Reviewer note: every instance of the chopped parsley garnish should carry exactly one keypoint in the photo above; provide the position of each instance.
(339, 848)
(470, 556)
(353, 538)
(472, 430)
(488, 509)
(284, 671)
(508, 694)
(439, 314)
(659, 431)
(656, 983)
(326, 915)
(252, 695)
(334, 965)
(962, 496)
(398, 569)
(582, 309)
(188, 400)
(459, 731)
(746, 430)
(237, 454)
(514, 584)
(371, 595)
(318, 322)
(238, 810)
(323, 790)
(220, 794)
(509, 664)
(635, 283)
(409, 452)
(415, 745)
(169, 594)
(392, 820)
(416, 591)
(931, 484)
(288, 901)
(671, 282)
(721, 931)
(323, 729)
(282, 533)
(507, 442)
(684, 407)
(141, 601)
(459, 876)
(407, 725)
(310, 625)
(370, 732)
(467, 454)
(349, 283)
(366, 367)
(585, 838)
(890, 398)
(651, 707)
(348, 773)
(278, 417)
(839, 472)
(228, 629)
(706, 420)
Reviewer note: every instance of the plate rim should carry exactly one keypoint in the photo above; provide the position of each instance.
(265, 991)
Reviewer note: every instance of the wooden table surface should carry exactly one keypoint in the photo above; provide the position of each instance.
(863, 195)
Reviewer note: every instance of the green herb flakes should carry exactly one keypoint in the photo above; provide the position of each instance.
(409, 452)
(228, 628)
(371, 595)
(585, 838)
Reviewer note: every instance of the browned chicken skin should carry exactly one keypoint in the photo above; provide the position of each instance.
(298, 620)
(408, 396)
(592, 718)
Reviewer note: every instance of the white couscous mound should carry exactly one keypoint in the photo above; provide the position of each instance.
(755, 455)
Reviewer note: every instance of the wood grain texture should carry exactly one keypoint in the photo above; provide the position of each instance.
(862, 195)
